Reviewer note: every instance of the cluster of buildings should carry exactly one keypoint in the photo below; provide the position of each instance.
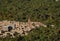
(13, 27)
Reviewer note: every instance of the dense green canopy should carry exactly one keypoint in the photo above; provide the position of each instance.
(46, 11)
(38, 34)
(21, 10)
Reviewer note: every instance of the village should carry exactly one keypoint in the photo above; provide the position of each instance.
(10, 27)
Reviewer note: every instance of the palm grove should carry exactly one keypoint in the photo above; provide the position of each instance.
(46, 11)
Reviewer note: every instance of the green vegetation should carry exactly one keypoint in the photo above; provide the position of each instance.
(38, 34)
(46, 11)
(37, 10)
